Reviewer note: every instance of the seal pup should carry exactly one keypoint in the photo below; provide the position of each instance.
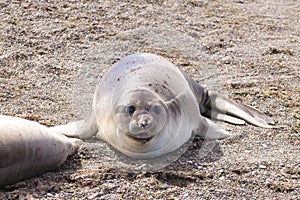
(28, 148)
(145, 106)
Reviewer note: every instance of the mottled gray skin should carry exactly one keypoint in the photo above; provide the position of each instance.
(28, 148)
(145, 107)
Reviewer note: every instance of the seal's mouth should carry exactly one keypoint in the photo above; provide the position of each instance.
(142, 140)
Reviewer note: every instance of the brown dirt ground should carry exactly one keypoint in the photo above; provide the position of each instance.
(254, 46)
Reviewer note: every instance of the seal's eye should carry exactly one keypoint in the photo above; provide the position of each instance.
(130, 109)
(157, 109)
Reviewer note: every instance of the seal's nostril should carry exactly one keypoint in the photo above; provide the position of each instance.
(144, 123)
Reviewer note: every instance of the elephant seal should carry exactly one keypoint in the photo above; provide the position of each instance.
(145, 106)
(28, 148)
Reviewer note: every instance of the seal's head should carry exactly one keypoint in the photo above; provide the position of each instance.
(143, 117)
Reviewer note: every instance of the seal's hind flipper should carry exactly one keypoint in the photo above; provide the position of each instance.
(75, 145)
(257, 114)
(225, 118)
(220, 105)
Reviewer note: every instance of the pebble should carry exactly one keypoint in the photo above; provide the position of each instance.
(142, 166)
(164, 187)
(186, 195)
(226, 59)
(93, 196)
(189, 161)
(200, 167)
(115, 186)
(49, 195)
(262, 167)
(265, 145)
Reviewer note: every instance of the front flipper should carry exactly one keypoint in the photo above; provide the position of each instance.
(208, 130)
(82, 129)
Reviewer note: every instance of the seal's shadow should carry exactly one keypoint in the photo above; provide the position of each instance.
(177, 168)
(201, 151)
(190, 155)
(189, 168)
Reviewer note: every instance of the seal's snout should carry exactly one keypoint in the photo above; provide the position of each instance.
(144, 122)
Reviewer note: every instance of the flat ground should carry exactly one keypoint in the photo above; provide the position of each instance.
(248, 49)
